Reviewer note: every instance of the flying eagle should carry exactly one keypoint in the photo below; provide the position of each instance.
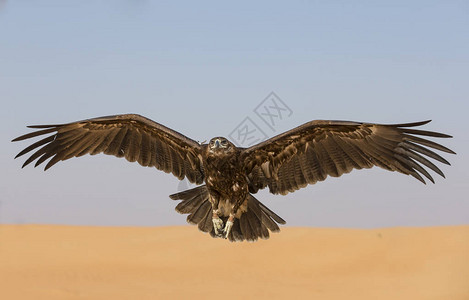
(224, 205)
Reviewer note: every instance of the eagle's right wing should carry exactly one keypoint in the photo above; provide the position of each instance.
(131, 136)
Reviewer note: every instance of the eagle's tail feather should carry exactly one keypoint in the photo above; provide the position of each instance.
(195, 203)
(271, 214)
(192, 199)
(253, 224)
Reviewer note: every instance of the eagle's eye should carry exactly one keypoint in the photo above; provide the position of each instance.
(224, 143)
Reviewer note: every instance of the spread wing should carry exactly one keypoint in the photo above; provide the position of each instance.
(131, 136)
(315, 150)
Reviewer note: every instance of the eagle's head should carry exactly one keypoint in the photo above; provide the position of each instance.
(220, 144)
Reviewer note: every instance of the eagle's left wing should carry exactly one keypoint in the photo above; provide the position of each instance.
(317, 149)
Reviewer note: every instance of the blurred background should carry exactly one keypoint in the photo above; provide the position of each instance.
(203, 68)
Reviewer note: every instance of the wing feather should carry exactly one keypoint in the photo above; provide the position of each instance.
(145, 157)
(94, 139)
(325, 160)
(425, 151)
(348, 154)
(134, 147)
(312, 158)
(131, 136)
(315, 150)
(305, 167)
(115, 146)
(427, 143)
(36, 145)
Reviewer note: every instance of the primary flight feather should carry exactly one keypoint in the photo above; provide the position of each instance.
(224, 206)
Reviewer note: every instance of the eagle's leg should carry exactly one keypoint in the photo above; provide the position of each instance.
(230, 221)
(228, 225)
(217, 223)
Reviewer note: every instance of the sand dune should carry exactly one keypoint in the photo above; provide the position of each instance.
(74, 262)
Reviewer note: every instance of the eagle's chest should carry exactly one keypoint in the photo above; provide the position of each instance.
(225, 176)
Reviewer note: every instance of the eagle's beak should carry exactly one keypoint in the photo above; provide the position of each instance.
(217, 143)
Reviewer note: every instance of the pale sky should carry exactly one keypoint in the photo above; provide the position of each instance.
(201, 68)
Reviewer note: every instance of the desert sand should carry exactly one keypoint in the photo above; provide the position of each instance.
(77, 262)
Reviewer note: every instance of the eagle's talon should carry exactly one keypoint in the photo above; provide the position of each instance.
(227, 229)
(218, 226)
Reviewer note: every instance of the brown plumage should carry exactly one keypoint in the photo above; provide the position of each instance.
(224, 206)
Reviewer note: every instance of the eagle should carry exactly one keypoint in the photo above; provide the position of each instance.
(227, 176)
